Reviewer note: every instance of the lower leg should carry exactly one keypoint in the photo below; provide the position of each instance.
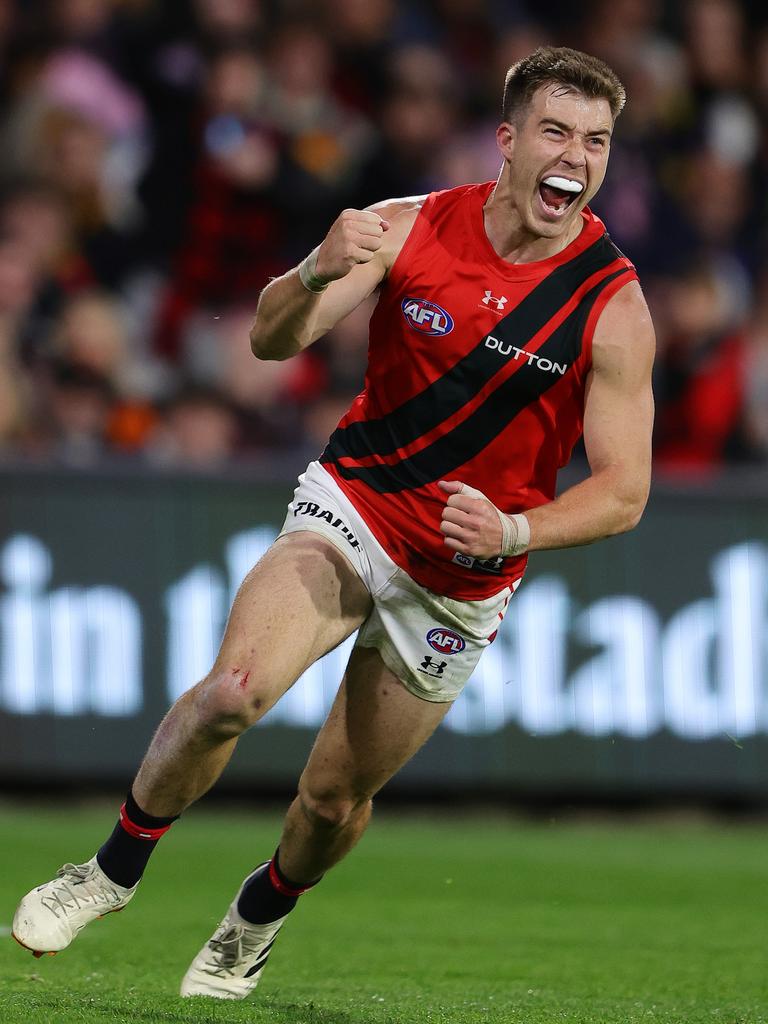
(196, 739)
(374, 727)
(316, 837)
(187, 754)
(184, 759)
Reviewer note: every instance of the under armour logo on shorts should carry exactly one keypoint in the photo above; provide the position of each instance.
(432, 668)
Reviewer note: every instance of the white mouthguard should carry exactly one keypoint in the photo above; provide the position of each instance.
(564, 184)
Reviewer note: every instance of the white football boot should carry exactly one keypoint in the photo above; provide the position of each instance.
(231, 962)
(50, 916)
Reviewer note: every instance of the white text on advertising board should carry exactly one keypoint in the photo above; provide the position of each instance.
(702, 673)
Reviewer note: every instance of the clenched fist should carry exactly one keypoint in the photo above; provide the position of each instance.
(355, 237)
(474, 526)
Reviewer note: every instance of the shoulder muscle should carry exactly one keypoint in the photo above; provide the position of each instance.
(624, 341)
(625, 329)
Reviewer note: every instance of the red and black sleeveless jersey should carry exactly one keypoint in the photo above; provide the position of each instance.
(476, 372)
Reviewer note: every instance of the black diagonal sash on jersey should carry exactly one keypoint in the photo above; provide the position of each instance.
(450, 393)
(469, 438)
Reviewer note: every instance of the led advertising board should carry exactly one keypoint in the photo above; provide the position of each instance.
(637, 665)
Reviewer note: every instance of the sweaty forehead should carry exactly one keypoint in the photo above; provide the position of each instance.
(568, 105)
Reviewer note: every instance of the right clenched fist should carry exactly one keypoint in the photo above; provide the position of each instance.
(355, 236)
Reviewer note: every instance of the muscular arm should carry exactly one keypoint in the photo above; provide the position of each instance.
(354, 257)
(618, 418)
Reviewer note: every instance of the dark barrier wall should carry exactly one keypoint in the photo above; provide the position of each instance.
(639, 665)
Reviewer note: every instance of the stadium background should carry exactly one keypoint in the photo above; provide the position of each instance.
(158, 163)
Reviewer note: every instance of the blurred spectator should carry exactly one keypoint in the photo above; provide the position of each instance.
(79, 128)
(79, 22)
(226, 20)
(160, 162)
(199, 430)
(715, 38)
(90, 334)
(13, 405)
(36, 220)
(16, 388)
(701, 370)
(325, 140)
(19, 278)
(419, 115)
(73, 416)
(228, 251)
(21, 282)
(270, 397)
(620, 31)
(756, 391)
(362, 33)
(345, 349)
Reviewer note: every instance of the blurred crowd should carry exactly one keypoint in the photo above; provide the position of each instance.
(160, 161)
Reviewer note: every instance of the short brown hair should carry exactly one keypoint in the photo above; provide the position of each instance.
(570, 68)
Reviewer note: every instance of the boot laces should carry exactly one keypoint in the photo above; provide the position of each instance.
(229, 948)
(73, 890)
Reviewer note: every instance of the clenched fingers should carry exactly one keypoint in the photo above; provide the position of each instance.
(456, 545)
(459, 525)
(355, 224)
(460, 516)
(363, 253)
(354, 238)
(455, 532)
(363, 217)
(375, 229)
(465, 503)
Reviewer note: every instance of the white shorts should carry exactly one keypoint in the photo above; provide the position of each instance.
(431, 643)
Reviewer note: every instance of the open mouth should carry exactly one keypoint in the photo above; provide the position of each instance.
(557, 193)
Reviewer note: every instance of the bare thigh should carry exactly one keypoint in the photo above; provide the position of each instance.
(299, 602)
(374, 727)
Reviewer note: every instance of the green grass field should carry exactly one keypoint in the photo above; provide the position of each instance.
(430, 921)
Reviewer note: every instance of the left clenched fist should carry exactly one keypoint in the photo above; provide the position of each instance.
(471, 522)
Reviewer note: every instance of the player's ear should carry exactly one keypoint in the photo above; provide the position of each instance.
(505, 139)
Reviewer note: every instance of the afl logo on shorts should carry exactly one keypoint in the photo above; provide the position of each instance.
(426, 317)
(445, 641)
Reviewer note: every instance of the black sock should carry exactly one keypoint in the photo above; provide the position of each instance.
(268, 894)
(125, 854)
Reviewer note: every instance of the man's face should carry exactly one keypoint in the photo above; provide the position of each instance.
(558, 152)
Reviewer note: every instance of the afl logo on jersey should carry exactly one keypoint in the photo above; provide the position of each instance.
(426, 317)
(445, 641)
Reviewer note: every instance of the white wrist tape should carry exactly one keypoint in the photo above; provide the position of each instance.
(308, 273)
(515, 534)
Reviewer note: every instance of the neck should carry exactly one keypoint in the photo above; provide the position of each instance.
(508, 234)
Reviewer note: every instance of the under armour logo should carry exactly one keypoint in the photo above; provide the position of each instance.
(499, 303)
(432, 668)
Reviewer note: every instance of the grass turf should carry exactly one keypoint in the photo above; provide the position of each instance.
(431, 921)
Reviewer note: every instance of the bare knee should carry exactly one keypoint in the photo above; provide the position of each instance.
(229, 701)
(331, 809)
